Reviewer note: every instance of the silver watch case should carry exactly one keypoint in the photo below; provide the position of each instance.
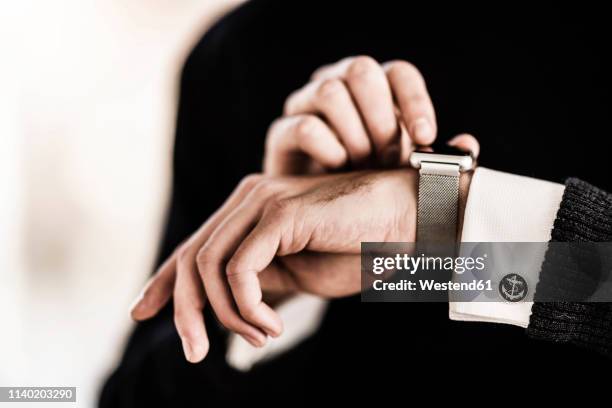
(465, 162)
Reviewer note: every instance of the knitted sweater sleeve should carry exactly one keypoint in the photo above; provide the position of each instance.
(585, 215)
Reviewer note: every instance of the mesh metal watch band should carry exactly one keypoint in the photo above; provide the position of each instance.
(438, 203)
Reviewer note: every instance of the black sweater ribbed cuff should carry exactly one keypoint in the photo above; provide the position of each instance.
(585, 215)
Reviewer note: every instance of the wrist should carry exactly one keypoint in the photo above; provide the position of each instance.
(407, 192)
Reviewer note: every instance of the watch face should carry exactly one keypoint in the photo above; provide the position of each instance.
(443, 148)
(442, 153)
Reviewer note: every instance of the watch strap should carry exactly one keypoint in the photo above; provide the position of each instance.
(438, 203)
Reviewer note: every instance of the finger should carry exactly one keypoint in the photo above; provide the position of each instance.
(406, 145)
(159, 288)
(301, 134)
(466, 142)
(334, 70)
(408, 89)
(410, 93)
(256, 252)
(370, 89)
(156, 292)
(398, 154)
(367, 83)
(188, 316)
(331, 99)
(253, 255)
(211, 266)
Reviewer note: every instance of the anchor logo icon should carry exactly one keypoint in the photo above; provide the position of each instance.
(513, 287)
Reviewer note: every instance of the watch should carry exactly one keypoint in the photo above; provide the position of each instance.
(438, 202)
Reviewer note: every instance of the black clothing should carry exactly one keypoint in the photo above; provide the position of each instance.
(532, 86)
(585, 215)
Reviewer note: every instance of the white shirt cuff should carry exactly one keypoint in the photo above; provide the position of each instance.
(302, 315)
(503, 207)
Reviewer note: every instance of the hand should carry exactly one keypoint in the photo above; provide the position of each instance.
(297, 233)
(269, 218)
(352, 112)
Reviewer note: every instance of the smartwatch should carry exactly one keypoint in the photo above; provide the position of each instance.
(438, 204)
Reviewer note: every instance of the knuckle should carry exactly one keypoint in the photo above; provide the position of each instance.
(250, 181)
(204, 260)
(360, 67)
(402, 70)
(272, 137)
(179, 252)
(338, 159)
(330, 89)
(385, 128)
(179, 249)
(184, 259)
(276, 126)
(419, 102)
(318, 72)
(180, 316)
(306, 126)
(290, 106)
(266, 187)
(232, 269)
(278, 209)
(360, 150)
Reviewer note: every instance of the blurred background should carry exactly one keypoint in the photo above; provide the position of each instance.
(88, 92)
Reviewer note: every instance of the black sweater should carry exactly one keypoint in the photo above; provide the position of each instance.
(530, 85)
(585, 215)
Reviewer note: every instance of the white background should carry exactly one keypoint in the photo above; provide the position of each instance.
(87, 106)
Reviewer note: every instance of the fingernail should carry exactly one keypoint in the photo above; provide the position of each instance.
(453, 141)
(256, 342)
(257, 338)
(272, 325)
(422, 131)
(199, 351)
(136, 304)
(195, 352)
(188, 351)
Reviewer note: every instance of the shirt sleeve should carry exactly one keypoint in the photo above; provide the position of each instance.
(503, 207)
(302, 315)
